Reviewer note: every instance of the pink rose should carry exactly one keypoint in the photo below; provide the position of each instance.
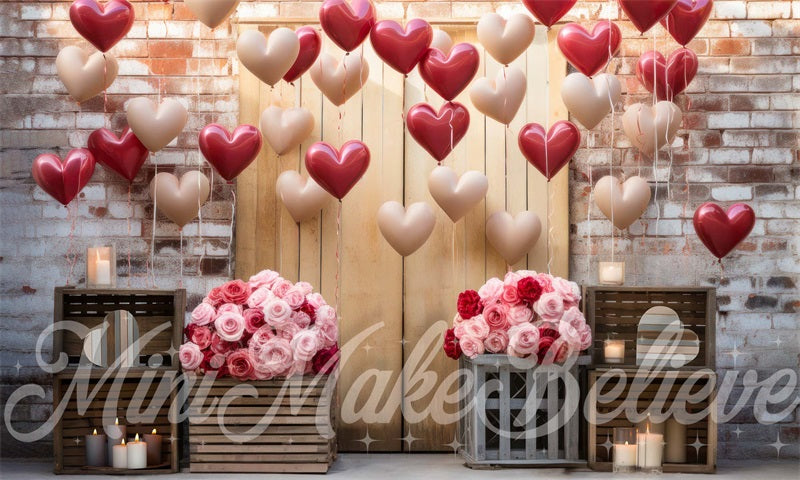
(264, 278)
(301, 319)
(496, 316)
(519, 314)
(201, 336)
(328, 333)
(523, 339)
(275, 358)
(475, 327)
(574, 317)
(240, 365)
(471, 346)
(570, 335)
(512, 278)
(545, 280)
(304, 287)
(585, 334)
(260, 297)
(229, 308)
(550, 306)
(261, 336)
(568, 290)
(496, 342)
(235, 291)
(325, 313)
(315, 300)
(510, 295)
(305, 345)
(190, 355)
(203, 314)
(288, 330)
(216, 361)
(294, 297)
(277, 312)
(281, 286)
(229, 326)
(214, 297)
(253, 319)
(491, 291)
(218, 345)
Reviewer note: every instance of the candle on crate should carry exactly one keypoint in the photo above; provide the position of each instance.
(614, 351)
(96, 447)
(611, 273)
(119, 455)
(116, 434)
(650, 449)
(676, 442)
(137, 454)
(153, 440)
(101, 267)
(624, 452)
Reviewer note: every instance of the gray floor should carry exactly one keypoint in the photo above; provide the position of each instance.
(434, 467)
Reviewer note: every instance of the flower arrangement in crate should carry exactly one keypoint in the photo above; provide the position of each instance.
(267, 327)
(524, 315)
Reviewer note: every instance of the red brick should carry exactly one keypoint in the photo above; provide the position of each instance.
(730, 46)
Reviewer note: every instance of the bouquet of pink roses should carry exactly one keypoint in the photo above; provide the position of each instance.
(264, 328)
(526, 314)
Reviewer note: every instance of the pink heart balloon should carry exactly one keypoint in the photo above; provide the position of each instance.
(671, 75)
(310, 46)
(449, 74)
(438, 133)
(645, 14)
(230, 153)
(124, 154)
(551, 152)
(337, 171)
(63, 180)
(687, 18)
(589, 52)
(721, 231)
(401, 48)
(103, 25)
(347, 24)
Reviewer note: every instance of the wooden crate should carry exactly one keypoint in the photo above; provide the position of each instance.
(294, 417)
(152, 309)
(701, 436)
(92, 401)
(617, 310)
(506, 410)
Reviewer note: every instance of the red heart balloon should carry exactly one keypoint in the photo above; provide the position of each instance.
(687, 18)
(439, 132)
(549, 11)
(337, 171)
(63, 180)
(230, 153)
(449, 74)
(721, 231)
(672, 75)
(310, 45)
(400, 48)
(124, 155)
(589, 52)
(645, 14)
(549, 154)
(347, 25)
(102, 25)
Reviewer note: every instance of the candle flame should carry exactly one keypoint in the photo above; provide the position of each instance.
(154, 431)
(626, 442)
(97, 252)
(123, 442)
(137, 438)
(95, 432)
(116, 421)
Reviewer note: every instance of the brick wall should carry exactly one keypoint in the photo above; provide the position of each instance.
(740, 143)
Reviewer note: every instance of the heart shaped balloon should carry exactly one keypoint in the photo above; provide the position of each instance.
(85, 76)
(124, 154)
(513, 237)
(211, 12)
(505, 40)
(302, 197)
(622, 203)
(337, 171)
(721, 231)
(103, 25)
(401, 48)
(230, 153)
(589, 52)
(649, 128)
(644, 15)
(457, 196)
(590, 100)
(687, 18)
(63, 180)
(345, 23)
(449, 74)
(339, 81)
(156, 125)
(671, 76)
(549, 153)
(310, 46)
(548, 12)
(441, 41)
(438, 133)
(285, 129)
(406, 229)
(500, 98)
(269, 59)
(180, 200)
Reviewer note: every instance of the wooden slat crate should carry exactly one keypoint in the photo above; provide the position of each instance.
(269, 426)
(663, 386)
(514, 407)
(614, 312)
(128, 394)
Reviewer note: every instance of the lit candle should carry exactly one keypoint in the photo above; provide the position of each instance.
(137, 454)
(99, 267)
(611, 273)
(650, 451)
(153, 448)
(676, 442)
(614, 351)
(119, 455)
(96, 447)
(625, 455)
(116, 434)
(624, 452)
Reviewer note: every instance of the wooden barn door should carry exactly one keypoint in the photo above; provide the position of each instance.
(397, 390)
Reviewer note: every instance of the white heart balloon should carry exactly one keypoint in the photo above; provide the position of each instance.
(624, 202)
(211, 12)
(268, 58)
(500, 98)
(301, 196)
(180, 200)
(457, 196)
(406, 229)
(590, 100)
(505, 40)
(441, 41)
(84, 75)
(285, 129)
(513, 237)
(339, 81)
(649, 128)
(156, 125)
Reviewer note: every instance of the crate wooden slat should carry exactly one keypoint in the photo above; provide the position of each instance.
(616, 311)
(297, 416)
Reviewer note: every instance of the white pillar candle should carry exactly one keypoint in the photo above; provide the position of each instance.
(676, 442)
(611, 273)
(624, 455)
(119, 455)
(614, 351)
(100, 271)
(115, 433)
(137, 454)
(650, 451)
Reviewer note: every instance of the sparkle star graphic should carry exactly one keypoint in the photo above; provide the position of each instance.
(367, 347)
(777, 342)
(77, 440)
(607, 444)
(409, 439)
(738, 431)
(697, 445)
(735, 354)
(18, 366)
(455, 445)
(367, 440)
(778, 445)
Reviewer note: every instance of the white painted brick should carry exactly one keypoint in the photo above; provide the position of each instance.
(751, 28)
(771, 120)
(769, 10)
(35, 12)
(731, 193)
(773, 155)
(729, 10)
(90, 120)
(728, 120)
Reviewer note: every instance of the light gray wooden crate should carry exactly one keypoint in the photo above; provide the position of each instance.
(516, 413)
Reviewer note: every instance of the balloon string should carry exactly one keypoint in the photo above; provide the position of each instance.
(153, 232)
(71, 254)
(180, 280)
(106, 121)
(547, 155)
(611, 169)
(230, 233)
(452, 128)
(337, 291)
(130, 214)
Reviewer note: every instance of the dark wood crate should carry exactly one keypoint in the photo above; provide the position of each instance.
(617, 310)
(297, 416)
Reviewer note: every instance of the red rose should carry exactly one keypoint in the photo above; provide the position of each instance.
(469, 304)
(451, 347)
(253, 319)
(201, 336)
(215, 297)
(325, 360)
(547, 336)
(529, 290)
(236, 292)
(309, 310)
(189, 330)
(219, 345)
(240, 364)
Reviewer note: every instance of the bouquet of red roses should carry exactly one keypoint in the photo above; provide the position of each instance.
(525, 314)
(264, 328)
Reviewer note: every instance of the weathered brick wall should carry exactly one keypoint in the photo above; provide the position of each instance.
(739, 143)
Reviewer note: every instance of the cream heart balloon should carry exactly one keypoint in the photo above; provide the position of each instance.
(590, 100)
(268, 58)
(211, 12)
(457, 196)
(513, 237)
(505, 40)
(156, 125)
(83, 75)
(285, 129)
(180, 200)
(650, 128)
(339, 81)
(302, 197)
(622, 203)
(500, 98)
(406, 229)
(441, 41)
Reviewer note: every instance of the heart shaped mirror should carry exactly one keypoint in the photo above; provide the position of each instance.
(116, 338)
(663, 341)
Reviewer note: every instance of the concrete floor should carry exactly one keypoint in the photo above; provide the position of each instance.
(433, 467)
